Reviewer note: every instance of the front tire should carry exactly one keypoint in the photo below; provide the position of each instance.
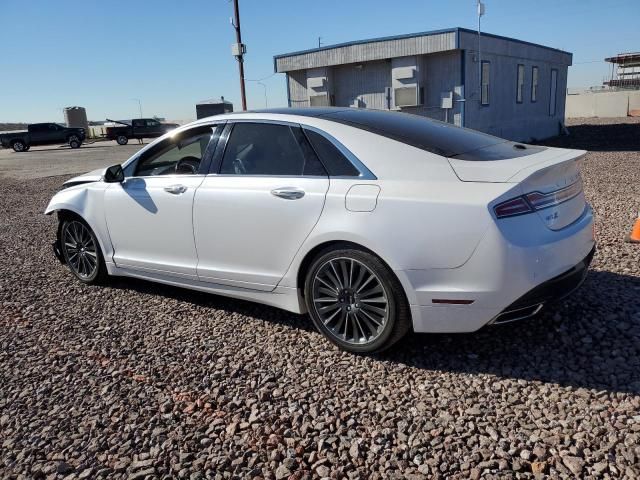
(356, 301)
(19, 146)
(81, 251)
(122, 139)
(74, 141)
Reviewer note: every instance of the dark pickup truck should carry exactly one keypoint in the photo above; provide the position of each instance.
(137, 128)
(42, 134)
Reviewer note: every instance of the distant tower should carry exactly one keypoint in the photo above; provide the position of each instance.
(627, 71)
(76, 117)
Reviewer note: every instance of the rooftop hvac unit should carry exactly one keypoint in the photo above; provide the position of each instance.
(406, 96)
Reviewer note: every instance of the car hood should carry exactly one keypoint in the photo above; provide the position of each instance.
(92, 176)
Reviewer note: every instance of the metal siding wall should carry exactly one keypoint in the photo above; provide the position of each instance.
(438, 73)
(497, 46)
(503, 116)
(366, 84)
(369, 52)
(298, 89)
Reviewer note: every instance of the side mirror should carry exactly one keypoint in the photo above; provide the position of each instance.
(114, 174)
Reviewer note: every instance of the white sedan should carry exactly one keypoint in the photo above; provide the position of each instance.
(373, 222)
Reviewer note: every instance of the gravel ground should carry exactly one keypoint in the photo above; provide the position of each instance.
(136, 380)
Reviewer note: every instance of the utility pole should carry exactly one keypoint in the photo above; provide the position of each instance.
(238, 50)
(480, 14)
(139, 105)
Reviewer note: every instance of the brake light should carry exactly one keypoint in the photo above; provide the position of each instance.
(510, 208)
(537, 201)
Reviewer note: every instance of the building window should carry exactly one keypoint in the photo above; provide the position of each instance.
(484, 83)
(534, 84)
(520, 84)
(554, 93)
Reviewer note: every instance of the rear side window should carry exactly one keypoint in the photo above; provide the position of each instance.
(334, 161)
(268, 149)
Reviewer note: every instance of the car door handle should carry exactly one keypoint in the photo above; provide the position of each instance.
(175, 189)
(288, 193)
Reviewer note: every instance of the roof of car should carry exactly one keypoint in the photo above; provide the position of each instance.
(422, 132)
(418, 131)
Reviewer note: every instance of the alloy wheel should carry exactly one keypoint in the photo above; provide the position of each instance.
(350, 300)
(80, 249)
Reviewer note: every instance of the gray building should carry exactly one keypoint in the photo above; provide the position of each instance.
(513, 89)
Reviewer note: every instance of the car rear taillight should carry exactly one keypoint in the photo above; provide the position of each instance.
(510, 208)
(536, 201)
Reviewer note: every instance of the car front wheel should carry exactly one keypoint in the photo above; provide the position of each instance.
(19, 146)
(356, 301)
(81, 251)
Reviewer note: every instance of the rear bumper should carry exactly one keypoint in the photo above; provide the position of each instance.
(548, 292)
(519, 264)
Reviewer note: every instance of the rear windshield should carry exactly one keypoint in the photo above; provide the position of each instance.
(431, 135)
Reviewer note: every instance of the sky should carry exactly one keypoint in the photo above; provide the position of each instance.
(105, 55)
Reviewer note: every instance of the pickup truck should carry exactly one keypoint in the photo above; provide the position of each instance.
(137, 128)
(42, 134)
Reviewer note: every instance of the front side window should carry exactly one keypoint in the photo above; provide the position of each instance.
(520, 84)
(152, 123)
(534, 84)
(179, 155)
(484, 83)
(269, 149)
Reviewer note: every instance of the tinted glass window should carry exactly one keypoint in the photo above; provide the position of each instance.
(424, 133)
(39, 127)
(180, 155)
(335, 162)
(268, 149)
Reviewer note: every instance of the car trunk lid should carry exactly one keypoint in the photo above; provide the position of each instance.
(549, 178)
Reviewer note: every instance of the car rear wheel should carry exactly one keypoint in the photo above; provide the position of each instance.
(74, 141)
(81, 251)
(356, 301)
(19, 146)
(122, 139)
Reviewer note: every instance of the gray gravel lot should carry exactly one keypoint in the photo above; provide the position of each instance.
(137, 380)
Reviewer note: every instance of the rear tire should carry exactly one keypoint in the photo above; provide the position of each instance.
(74, 141)
(81, 251)
(355, 300)
(19, 146)
(122, 139)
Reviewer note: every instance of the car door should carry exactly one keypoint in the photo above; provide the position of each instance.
(39, 133)
(138, 128)
(149, 215)
(252, 215)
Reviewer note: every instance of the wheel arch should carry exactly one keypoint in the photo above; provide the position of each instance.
(311, 255)
(66, 212)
